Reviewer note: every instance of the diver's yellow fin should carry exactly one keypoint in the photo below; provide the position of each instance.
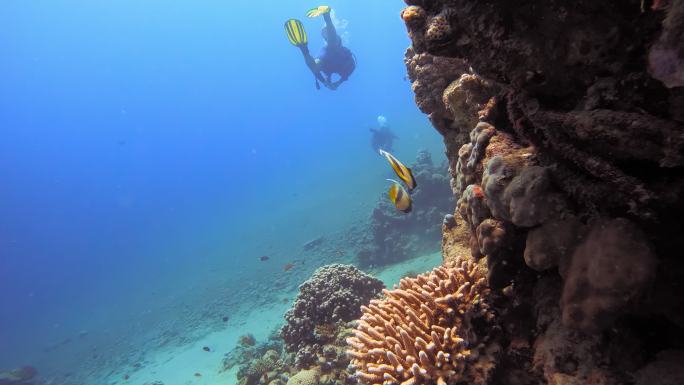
(315, 12)
(295, 32)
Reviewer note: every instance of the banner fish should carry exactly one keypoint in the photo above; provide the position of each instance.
(404, 173)
(399, 197)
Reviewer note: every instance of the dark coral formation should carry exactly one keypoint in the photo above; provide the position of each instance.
(666, 57)
(26, 375)
(610, 267)
(394, 236)
(563, 125)
(332, 296)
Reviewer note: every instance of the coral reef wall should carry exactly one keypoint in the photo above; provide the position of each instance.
(563, 123)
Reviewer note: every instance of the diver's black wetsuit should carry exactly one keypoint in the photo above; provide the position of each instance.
(334, 58)
(311, 63)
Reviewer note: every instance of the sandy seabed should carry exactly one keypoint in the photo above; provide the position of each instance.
(180, 365)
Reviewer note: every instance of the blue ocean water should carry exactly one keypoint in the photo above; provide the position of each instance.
(150, 150)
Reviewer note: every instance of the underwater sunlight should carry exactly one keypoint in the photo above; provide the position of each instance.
(417, 192)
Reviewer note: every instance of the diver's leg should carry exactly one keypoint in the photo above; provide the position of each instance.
(305, 51)
(313, 67)
(330, 32)
(308, 59)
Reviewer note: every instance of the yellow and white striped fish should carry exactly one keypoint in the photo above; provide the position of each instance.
(399, 196)
(404, 173)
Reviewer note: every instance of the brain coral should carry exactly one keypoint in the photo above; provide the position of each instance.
(433, 329)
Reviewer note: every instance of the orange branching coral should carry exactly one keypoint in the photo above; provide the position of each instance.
(433, 330)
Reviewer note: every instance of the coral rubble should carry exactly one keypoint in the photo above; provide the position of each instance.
(436, 328)
(270, 364)
(248, 352)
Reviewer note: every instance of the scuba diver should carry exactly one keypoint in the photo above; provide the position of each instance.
(383, 137)
(334, 58)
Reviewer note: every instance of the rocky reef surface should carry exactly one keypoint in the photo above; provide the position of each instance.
(26, 375)
(310, 347)
(269, 363)
(564, 128)
(394, 236)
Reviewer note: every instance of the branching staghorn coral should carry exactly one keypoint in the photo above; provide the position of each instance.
(433, 329)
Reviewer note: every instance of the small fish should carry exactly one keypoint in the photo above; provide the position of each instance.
(264, 258)
(198, 374)
(399, 197)
(225, 319)
(287, 266)
(404, 173)
(206, 349)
